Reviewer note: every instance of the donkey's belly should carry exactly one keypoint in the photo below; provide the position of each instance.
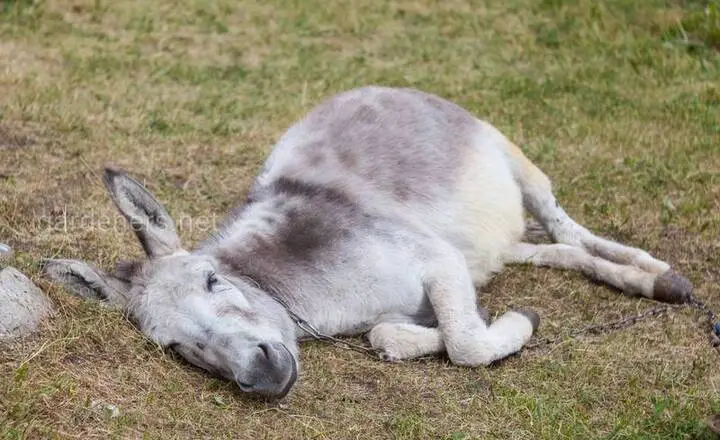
(489, 211)
(416, 312)
(374, 282)
(482, 214)
(361, 311)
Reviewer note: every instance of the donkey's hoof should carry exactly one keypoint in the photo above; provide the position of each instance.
(389, 358)
(671, 287)
(484, 315)
(531, 315)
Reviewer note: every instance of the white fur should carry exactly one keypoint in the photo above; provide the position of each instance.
(489, 208)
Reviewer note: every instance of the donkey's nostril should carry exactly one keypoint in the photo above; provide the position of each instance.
(265, 349)
(245, 386)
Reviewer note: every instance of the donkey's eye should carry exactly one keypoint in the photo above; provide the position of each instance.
(211, 282)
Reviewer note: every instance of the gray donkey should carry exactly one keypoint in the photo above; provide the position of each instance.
(381, 211)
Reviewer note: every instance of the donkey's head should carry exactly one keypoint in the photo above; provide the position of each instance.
(181, 300)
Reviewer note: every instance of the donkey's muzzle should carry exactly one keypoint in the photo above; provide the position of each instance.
(272, 372)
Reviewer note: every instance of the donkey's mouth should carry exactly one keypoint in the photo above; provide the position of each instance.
(291, 379)
(274, 375)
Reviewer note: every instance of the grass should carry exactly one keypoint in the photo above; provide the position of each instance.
(618, 101)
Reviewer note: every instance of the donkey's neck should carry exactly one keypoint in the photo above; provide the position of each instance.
(292, 238)
(276, 304)
(249, 244)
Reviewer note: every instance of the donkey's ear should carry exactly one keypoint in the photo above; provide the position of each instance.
(88, 282)
(148, 219)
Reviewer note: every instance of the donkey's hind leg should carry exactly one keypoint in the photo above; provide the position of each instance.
(629, 279)
(563, 229)
(669, 286)
(539, 200)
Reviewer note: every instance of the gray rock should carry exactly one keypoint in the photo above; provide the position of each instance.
(22, 304)
(5, 251)
(107, 409)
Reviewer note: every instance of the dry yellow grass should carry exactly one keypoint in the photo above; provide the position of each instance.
(616, 102)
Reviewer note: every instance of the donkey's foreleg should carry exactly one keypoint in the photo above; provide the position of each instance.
(398, 341)
(468, 339)
(666, 287)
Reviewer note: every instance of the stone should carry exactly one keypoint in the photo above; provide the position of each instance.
(23, 306)
(107, 409)
(5, 251)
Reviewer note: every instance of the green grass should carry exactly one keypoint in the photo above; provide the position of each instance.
(618, 101)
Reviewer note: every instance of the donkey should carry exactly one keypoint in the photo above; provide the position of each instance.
(379, 213)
